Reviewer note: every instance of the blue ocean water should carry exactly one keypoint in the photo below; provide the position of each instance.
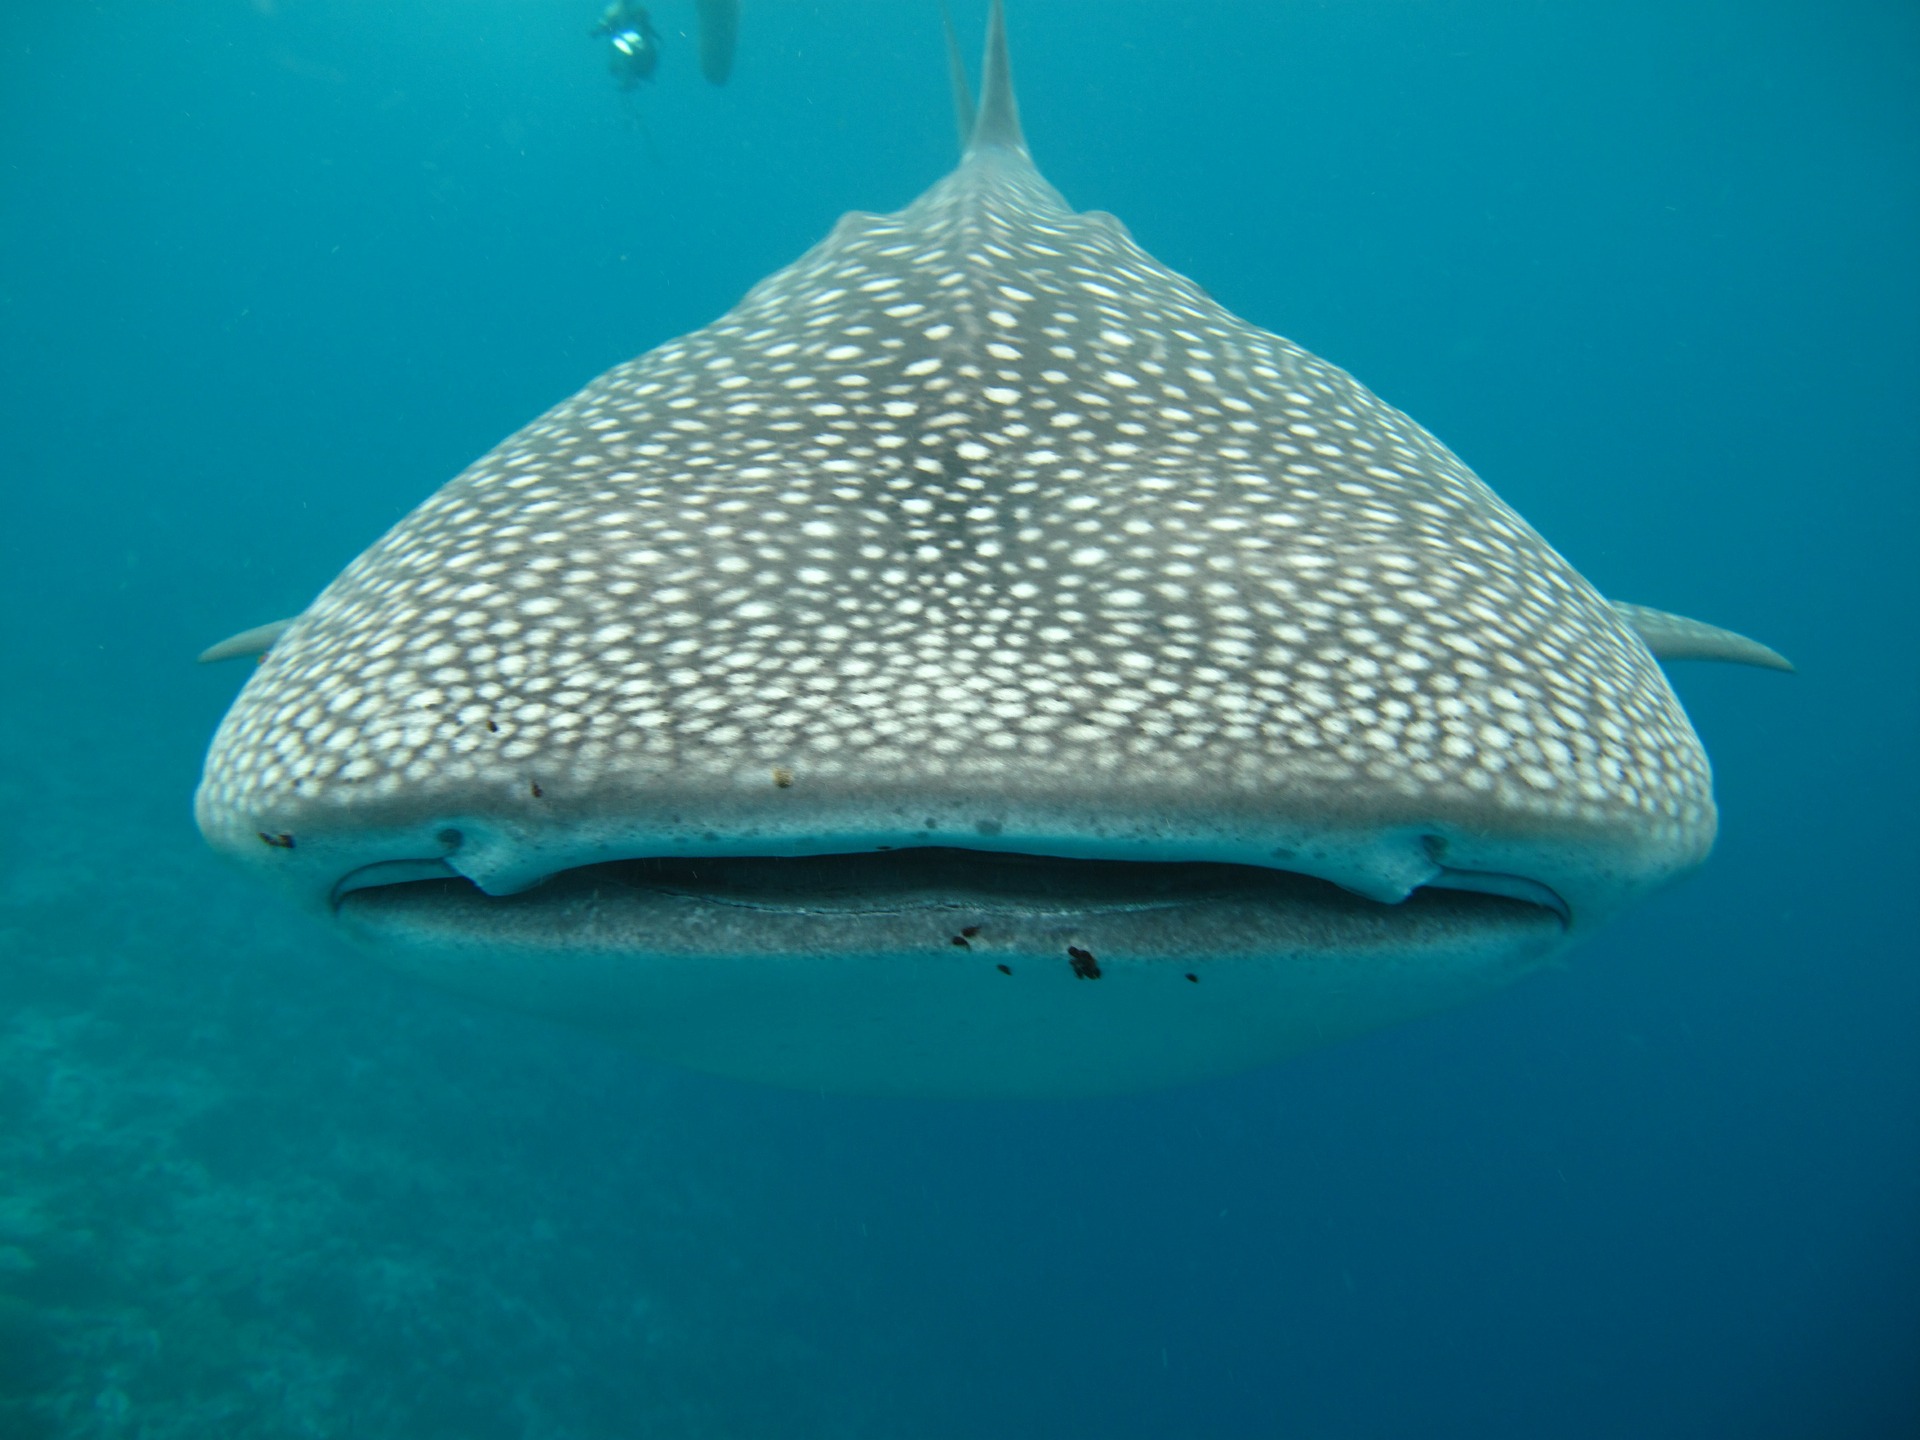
(270, 272)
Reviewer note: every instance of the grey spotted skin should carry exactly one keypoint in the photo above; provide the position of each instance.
(975, 529)
(972, 497)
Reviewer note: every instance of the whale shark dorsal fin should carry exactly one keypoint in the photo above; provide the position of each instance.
(257, 641)
(1677, 637)
(996, 124)
(957, 76)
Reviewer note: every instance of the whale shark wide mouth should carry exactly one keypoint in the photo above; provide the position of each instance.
(948, 972)
(962, 895)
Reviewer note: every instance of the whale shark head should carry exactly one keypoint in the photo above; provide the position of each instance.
(978, 663)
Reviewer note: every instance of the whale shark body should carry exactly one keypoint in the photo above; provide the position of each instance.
(977, 664)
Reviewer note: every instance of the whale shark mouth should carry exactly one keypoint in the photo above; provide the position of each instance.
(949, 972)
(969, 899)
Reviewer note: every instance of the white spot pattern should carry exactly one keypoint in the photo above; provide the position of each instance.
(971, 496)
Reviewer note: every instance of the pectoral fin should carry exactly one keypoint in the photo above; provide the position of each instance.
(1675, 637)
(256, 641)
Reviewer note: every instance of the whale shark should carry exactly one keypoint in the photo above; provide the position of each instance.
(976, 664)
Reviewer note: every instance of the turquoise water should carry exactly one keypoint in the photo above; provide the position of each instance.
(270, 272)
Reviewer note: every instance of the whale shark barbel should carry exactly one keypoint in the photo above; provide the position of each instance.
(976, 664)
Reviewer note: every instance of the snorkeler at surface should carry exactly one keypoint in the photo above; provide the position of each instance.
(635, 43)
